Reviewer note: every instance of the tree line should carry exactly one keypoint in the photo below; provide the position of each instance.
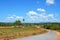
(53, 26)
(17, 22)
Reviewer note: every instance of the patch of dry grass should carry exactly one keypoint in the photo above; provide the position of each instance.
(11, 33)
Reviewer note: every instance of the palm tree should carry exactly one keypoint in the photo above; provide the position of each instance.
(23, 21)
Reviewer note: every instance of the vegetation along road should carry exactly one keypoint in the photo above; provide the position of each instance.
(47, 36)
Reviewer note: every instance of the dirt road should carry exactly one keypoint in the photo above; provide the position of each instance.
(47, 36)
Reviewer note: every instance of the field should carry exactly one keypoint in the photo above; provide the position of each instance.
(12, 33)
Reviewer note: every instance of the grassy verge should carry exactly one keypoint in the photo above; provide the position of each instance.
(11, 33)
(57, 30)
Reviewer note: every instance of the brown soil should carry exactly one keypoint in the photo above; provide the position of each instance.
(57, 36)
(5, 27)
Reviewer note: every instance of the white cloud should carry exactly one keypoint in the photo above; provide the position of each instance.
(10, 17)
(32, 13)
(56, 19)
(50, 1)
(51, 15)
(14, 17)
(43, 17)
(41, 10)
(19, 17)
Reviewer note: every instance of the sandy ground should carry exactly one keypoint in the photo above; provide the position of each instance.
(57, 37)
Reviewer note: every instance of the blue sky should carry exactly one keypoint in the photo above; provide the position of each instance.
(33, 11)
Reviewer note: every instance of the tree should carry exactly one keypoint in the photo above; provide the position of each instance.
(17, 23)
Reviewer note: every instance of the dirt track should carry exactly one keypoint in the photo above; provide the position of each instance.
(47, 36)
(57, 36)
